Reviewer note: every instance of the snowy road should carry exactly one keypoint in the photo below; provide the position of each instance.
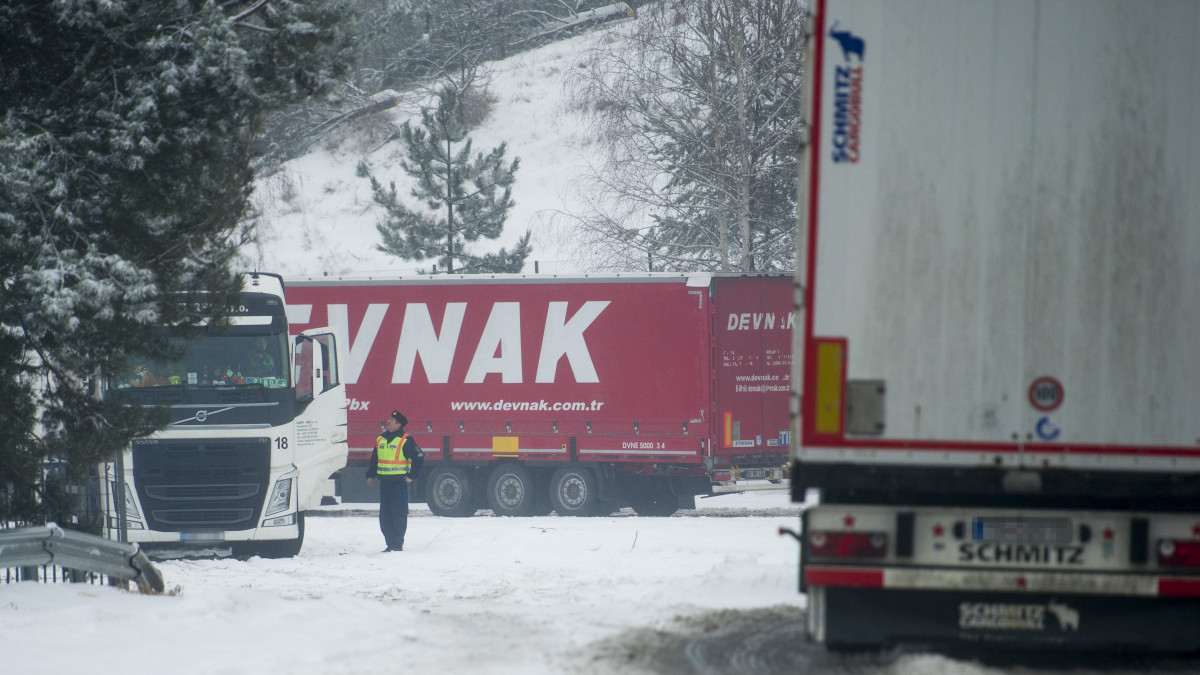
(709, 592)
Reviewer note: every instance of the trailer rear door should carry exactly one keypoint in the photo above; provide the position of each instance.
(1003, 242)
(752, 362)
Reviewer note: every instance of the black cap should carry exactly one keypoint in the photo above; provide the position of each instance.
(399, 417)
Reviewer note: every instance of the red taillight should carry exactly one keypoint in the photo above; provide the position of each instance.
(1178, 553)
(827, 544)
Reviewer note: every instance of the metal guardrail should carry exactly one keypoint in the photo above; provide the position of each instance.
(52, 545)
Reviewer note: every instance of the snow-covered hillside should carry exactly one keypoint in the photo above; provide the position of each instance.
(318, 216)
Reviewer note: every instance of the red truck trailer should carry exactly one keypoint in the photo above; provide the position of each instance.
(1001, 336)
(578, 394)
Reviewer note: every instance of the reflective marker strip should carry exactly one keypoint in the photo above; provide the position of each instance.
(1179, 588)
(836, 576)
(980, 580)
(584, 451)
(830, 386)
(523, 451)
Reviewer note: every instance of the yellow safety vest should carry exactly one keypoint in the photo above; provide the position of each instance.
(392, 461)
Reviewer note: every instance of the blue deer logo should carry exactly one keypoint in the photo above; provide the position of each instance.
(851, 43)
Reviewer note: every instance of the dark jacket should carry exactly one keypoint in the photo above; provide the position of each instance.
(412, 451)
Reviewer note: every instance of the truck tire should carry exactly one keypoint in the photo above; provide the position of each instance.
(282, 548)
(510, 490)
(575, 492)
(449, 492)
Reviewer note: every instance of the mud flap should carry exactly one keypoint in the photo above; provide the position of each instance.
(870, 618)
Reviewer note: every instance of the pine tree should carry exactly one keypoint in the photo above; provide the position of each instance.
(467, 198)
(126, 130)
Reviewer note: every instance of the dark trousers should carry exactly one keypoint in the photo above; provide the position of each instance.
(393, 510)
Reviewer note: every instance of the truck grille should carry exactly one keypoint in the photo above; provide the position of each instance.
(195, 484)
(205, 518)
(186, 492)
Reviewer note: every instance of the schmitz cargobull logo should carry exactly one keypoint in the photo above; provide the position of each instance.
(847, 96)
(1016, 616)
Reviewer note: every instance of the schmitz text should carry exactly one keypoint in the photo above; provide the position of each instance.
(1037, 554)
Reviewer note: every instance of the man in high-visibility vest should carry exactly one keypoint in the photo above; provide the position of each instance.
(396, 461)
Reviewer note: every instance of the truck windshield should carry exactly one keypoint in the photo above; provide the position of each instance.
(240, 357)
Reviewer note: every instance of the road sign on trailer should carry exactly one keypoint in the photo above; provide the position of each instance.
(1046, 393)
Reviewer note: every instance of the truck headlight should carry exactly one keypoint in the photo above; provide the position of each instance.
(131, 509)
(281, 496)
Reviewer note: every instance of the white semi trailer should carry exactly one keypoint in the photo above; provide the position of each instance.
(999, 335)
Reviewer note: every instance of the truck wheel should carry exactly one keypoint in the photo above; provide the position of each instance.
(574, 492)
(448, 493)
(283, 548)
(510, 490)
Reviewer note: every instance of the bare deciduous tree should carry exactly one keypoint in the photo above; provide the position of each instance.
(699, 117)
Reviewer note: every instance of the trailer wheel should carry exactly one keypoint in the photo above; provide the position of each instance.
(448, 492)
(283, 548)
(510, 490)
(574, 492)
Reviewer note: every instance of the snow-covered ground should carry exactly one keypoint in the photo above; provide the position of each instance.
(475, 595)
(618, 594)
(318, 217)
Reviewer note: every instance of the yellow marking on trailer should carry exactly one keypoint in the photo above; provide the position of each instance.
(831, 358)
(505, 446)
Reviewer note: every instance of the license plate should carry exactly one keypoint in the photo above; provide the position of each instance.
(754, 474)
(201, 536)
(1022, 530)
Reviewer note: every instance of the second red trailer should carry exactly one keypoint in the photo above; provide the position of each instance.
(576, 393)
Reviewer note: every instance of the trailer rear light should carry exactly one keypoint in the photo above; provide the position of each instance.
(722, 476)
(1178, 553)
(831, 544)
